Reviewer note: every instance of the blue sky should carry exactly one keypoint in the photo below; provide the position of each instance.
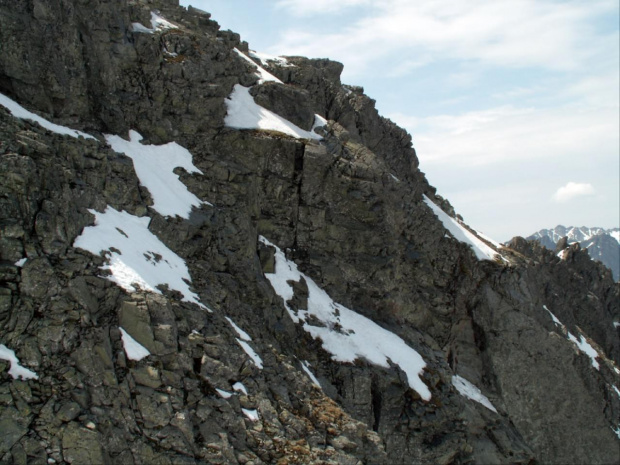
(513, 105)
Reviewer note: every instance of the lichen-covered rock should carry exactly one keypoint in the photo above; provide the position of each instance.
(81, 445)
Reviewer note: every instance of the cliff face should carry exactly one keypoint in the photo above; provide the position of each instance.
(300, 296)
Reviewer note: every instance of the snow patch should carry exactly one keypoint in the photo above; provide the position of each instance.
(136, 258)
(241, 333)
(394, 178)
(482, 250)
(244, 113)
(158, 23)
(20, 112)
(16, 371)
(224, 394)
(554, 318)
(133, 349)
(154, 165)
(347, 335)
(319, 122)
(239, 387)
(251, 353)
(582, 344)
(251, 414)
(243, 340)
(306, 367)
(262, 73)
(616, 389)
(20, 263)
(266, 58)
(488, 239)
(616, 323)
(562, 254)
(470, 391)
(138, 27)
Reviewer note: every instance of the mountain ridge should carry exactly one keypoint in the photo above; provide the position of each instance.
(602, 244)
(292, 239)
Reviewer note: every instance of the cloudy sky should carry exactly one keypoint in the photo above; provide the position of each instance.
(513, 105)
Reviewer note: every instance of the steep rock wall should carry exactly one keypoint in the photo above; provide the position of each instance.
(347, 209)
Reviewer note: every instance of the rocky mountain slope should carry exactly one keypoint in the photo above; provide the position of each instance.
(207, 256)
(602, 245)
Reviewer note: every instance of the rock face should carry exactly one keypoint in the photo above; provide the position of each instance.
(603, 245)
(240, 381)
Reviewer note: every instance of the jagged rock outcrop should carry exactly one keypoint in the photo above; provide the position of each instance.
(349, 210)
(603, 245)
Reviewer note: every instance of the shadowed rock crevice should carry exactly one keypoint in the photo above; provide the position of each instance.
(377, 400)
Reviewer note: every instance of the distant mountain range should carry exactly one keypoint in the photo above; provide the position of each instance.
(602, 244)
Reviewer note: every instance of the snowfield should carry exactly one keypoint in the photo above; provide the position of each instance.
(136, 258)
(245, 113)
(347, 335)
(154, 165)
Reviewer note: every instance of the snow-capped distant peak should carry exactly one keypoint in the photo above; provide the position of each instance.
(574, 233)
(602, 244)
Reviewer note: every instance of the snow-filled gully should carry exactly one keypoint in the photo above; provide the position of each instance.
(347, 335)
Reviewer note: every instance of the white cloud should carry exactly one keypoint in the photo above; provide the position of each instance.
(516, 33)
(500, 167)
(517, 92)
(406, 66)
(509, 134)
(315, 7)
(572, 190)
(597, 90)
